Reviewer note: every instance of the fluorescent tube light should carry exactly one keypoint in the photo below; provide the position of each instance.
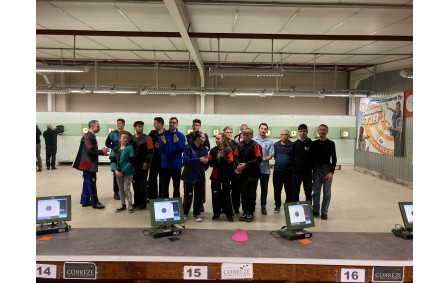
(235, 72)
(61, 69)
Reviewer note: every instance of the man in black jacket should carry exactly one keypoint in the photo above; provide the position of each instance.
(51, 145)
(144, 150)
(303, 154)
(247, 158)
(154, 171)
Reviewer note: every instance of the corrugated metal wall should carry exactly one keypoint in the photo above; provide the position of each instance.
(383, 84)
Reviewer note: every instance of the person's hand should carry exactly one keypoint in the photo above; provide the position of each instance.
(105, 151)
(162, 138)
(145, 166)
(175, 138)
(220, 155)
(157, 144)
(118, 173)
(241, 167)
(329, 177)
(237, 139)
(204, 159)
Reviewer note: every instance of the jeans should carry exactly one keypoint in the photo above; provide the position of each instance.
(124, 185)
(280, 179)
(165, 177)
(307, 187)
(221, 197)
(139, 185)
(154, 172)
(319, 182)
(89, 192)
(50, 151)
(39, 160)
(264, 183)
(193, 193)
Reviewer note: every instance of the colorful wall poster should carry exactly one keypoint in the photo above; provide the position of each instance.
(380, 125)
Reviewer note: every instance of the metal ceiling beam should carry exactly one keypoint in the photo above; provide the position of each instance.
(227, 35)
(212, 64)
(180, 18)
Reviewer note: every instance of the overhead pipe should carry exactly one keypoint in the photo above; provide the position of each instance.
(228, 35)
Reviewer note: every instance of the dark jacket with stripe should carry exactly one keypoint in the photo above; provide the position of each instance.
(251, 155)
(87, 157)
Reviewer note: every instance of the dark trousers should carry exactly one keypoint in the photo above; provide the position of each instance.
(116, 188)
(279, 180)
(89, 192)
(264, 184)
(221, 197)
(165, 177)
(248, 191)
(193, 192)
(236, 194)
(50, 152)
(154, 172)
(139, 185)
(307, 186)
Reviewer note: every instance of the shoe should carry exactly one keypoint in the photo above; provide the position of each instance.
(202, 208)
(243, 217)
(263, 210)
(86, 204)
(53, 168)
(185, 217)
(315, 213)
(39, 170)
(215, 217)
(121, 208)
(230, 218)
(197, 218)
(48, 168)
(250, 217)
(277, 209)
(131, 209)
(142, 206)
(116, 196)
(99, 205)
(236, 211)
(324, 217)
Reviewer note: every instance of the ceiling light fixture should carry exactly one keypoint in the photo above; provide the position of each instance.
(407, 74)
(61, 69)
(235, 72)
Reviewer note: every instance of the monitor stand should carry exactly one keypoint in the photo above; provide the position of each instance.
(403, 233)
(165, 231)
(295, 234)
(58, 227)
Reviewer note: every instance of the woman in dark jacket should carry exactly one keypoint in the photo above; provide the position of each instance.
(221, 159)
(195, 161)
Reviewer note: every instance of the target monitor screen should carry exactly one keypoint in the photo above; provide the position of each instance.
(298, 215)
(53, 209)
(407, 213)
(166, 211)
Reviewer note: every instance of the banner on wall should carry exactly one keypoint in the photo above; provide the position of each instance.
(380, 125)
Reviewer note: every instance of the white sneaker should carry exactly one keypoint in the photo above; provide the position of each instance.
(185, 217)
(197, 218)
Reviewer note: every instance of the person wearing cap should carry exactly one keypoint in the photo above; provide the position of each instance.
(51, 145)
(144, 150)
(303, 155)
(325, 163)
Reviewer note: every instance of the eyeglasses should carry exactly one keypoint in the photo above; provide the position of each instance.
(196, 125)
(173, 122)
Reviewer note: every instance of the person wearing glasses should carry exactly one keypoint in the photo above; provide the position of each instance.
(171, 146)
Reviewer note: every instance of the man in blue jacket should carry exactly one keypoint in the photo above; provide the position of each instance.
(171, 146)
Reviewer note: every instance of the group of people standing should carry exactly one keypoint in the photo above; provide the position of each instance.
(238, 164)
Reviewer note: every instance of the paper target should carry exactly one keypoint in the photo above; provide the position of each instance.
(296, 214)
(48, 209)
(163, 210)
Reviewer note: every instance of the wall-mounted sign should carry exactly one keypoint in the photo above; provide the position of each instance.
(79, 270)
(237, 271)
(388, 274)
